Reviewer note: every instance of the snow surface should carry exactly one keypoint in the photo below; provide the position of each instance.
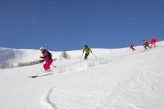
(109, 79)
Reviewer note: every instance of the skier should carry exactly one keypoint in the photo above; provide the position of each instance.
(153, 42)
(146, 44)
(132, 47)
(87, 51)
(47, 57)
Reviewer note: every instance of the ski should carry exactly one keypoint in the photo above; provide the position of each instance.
(34, 76)
(46, 74)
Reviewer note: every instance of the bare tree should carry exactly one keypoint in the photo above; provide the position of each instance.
(6, 65)
(64, 55)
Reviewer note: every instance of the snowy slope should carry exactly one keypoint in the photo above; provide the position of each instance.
(114, 79)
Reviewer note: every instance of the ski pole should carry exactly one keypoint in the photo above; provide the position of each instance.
(94, 55)
(53, 65)
(81, 56)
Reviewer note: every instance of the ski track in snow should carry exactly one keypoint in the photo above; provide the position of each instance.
(49, 98)
(46, 101)
(82, 65)
(73, 98)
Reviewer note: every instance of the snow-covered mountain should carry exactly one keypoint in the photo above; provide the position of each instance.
(13, 56)
(109, 79)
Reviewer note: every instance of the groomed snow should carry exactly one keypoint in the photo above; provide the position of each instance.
(109, 79)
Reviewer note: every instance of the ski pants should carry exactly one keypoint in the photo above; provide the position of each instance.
(153, 44)
(145, 46)
(86, 56)
(47, 65)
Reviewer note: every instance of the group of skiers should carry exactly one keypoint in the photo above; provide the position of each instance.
(47, 56)
(146, 44)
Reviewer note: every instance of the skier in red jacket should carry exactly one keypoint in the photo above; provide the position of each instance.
(153, 42)
(132, 47)
(146, 44)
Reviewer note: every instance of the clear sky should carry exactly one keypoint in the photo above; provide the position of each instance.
(69, 24)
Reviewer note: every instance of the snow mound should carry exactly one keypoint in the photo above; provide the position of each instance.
(7, 54)
(14, 56)
(86, 64)
(82, 65)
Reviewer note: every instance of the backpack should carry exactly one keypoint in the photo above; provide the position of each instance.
(50, 55)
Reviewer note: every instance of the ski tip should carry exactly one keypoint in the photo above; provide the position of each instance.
(33, 76)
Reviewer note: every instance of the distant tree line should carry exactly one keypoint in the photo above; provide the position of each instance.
(6, 65)
(21, 64)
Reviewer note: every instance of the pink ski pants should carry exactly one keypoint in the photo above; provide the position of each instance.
(47, 65)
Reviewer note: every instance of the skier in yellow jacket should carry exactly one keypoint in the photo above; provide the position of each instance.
(87, 51)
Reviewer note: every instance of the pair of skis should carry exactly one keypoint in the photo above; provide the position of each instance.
(45, 74)
(41, 75)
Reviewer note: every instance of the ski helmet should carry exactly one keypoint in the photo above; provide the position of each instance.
(85, 46)
(42, 48)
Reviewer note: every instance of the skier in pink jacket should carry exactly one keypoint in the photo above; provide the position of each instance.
(47, 56)
(132, 47)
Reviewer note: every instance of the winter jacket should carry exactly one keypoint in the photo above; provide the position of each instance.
(153, 40)
(87, 50)
(46, 55)
(145, 43)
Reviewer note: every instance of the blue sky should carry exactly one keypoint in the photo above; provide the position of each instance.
(69, 24)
